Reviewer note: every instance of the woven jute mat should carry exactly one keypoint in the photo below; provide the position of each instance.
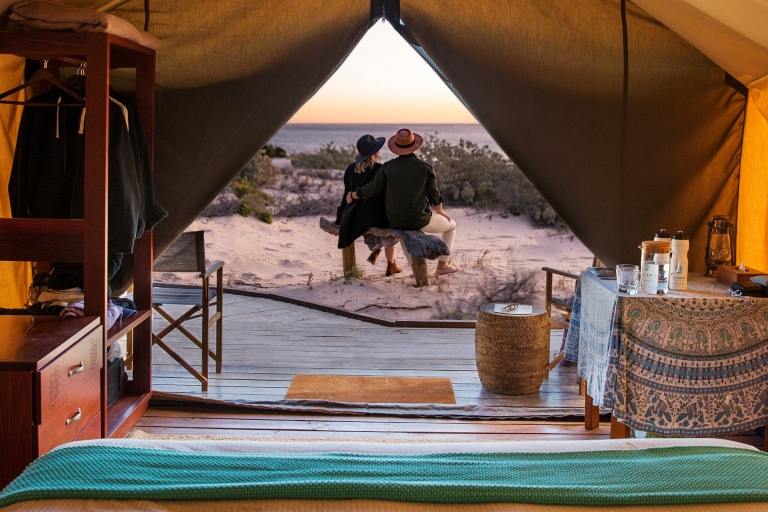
(362, 389)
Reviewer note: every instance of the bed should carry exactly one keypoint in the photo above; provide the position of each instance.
(547, 476)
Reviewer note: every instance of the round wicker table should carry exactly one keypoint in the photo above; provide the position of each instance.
(511, 351)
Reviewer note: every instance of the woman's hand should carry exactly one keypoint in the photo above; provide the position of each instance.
(349, 197)
(445, 215)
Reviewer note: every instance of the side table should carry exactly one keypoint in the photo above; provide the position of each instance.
(511, 351)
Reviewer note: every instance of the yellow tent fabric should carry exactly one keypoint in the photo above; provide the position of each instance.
(752, 233)
(14, 276)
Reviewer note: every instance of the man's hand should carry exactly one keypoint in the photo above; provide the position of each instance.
(438, 208)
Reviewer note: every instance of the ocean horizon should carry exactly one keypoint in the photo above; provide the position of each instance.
(302, 138)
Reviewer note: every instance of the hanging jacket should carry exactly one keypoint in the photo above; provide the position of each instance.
(47, 178)
(356, 218)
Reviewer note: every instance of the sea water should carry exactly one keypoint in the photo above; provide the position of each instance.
(309, 137)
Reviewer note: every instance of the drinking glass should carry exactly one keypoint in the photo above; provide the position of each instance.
(627, 277)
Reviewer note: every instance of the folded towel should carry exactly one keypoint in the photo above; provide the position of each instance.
(54, 15)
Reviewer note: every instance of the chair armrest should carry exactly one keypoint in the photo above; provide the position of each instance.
(213, 268)
(549, 270)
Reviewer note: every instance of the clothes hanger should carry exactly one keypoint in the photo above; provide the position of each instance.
(43, 75)
(78, 79)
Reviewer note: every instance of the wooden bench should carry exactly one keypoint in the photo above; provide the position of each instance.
(420, 246)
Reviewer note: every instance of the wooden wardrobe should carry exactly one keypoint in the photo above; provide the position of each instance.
(31, 348)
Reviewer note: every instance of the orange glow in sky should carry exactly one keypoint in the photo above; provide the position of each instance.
(383, 81)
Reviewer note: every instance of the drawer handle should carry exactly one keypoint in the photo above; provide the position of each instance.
(78, 369)
(76, 417)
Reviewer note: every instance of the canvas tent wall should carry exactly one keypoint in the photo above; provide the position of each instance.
(620, 113)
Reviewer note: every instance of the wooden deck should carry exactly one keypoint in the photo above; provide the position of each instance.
(266, 343)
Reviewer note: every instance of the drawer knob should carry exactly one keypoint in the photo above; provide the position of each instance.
(77, 369)
(76, 417)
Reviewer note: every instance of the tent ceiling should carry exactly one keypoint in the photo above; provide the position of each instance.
(734, 34)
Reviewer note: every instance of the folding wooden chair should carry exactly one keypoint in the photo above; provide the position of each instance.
(558, 304)
(187, 254)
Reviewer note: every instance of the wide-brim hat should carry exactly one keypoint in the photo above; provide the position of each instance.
(405, 142)
(367, 146)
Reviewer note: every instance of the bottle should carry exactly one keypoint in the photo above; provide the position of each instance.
(678, 279)
(663, 236)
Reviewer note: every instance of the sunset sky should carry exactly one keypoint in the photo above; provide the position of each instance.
(383, 81)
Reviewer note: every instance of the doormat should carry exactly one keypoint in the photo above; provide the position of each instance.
(381, 390)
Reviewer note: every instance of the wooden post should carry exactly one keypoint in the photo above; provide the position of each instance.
(618, 430)
(348, 257)
(591, 414)
(582, 387)
(420, 271)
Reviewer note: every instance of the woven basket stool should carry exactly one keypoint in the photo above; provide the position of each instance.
(512, 351)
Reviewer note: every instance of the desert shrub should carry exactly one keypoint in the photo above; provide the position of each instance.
(323, 205)
(471, 175)
(260, 171)
(325, 157)
(519, 287)
(223, 206)
(323, 174)
(265, 216)
(273, 151)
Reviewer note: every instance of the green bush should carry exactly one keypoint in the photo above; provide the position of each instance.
(326, 157)
(265, 216)
(273, 151)
(471, 175)
(260, 171)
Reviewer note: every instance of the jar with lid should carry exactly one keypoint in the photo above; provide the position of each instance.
(654, 267)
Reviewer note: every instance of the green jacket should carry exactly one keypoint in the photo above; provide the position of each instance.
(411, 186)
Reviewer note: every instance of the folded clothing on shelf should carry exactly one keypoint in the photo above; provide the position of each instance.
(55, 15)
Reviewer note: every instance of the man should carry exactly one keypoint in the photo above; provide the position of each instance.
(411, 188)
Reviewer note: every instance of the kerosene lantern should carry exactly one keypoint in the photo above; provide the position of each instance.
(720, 250)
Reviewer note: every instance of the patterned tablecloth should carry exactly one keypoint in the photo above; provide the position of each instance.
(685, 363)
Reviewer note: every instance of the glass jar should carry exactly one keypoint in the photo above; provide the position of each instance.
(654, 267)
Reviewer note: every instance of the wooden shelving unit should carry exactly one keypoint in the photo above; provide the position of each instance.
(85, 240)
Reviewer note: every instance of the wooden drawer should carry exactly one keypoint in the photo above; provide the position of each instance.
(92, 430)
(62, 379)
(72, 416)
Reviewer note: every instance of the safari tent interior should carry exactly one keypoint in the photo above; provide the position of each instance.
(624, 114)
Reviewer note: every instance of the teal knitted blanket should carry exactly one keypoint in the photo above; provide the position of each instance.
(660, 476)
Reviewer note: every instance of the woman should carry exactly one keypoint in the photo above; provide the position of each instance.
(355, 219)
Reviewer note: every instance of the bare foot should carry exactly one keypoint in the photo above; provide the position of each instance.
(446, 269)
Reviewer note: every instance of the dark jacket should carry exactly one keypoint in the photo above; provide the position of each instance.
(411, 186)
(355, 219)
(47, 178)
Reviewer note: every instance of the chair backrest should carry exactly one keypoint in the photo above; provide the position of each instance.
(186, 254)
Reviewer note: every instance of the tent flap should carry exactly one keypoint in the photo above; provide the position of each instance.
(229, 75)
(546, 80)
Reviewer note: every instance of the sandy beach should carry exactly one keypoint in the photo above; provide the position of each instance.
(292, 257)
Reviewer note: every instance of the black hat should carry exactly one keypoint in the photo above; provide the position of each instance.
(367, 146)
